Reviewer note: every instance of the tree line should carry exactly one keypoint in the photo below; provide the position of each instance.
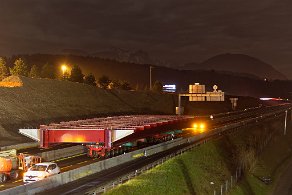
(21, 68)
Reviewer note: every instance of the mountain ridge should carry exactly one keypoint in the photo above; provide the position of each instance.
(238, 63)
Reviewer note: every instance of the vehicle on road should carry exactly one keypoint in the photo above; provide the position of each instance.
(12, 165)
(40, 171)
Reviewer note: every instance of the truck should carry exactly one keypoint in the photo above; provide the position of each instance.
(13, 165)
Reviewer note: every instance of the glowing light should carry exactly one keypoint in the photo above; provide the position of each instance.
(64, 68)
(202, 126)
(79, 139)
(195, 125)
(267, 99)
(67, 137)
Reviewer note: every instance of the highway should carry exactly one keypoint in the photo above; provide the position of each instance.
(95, 180)
(74, 162)
(84, 185)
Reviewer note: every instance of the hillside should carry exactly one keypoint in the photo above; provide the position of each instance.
(138, 75)
(239, 63)
(40, 101)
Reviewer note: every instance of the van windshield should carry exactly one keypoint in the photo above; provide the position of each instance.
(38, 168)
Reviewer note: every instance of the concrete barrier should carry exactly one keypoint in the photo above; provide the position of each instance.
(62, 153)
(49, 155)
(20, 146)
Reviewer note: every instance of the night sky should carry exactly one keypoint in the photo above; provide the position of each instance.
(179, 31)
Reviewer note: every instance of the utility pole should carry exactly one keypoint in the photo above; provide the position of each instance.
(179, 104)
(285, 127)
(150, 79)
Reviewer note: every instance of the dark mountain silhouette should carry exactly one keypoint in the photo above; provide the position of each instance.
(238, 63)
(78, 52)
(126, 55)
(138, 75)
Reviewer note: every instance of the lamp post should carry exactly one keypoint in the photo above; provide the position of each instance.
(285, 127)
(150, 77)
(64, 69)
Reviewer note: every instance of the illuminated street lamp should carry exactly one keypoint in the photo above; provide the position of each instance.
(64, 69)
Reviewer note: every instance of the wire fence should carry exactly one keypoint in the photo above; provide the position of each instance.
(228, 184)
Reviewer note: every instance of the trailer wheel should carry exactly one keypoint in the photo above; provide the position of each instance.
(94, 153)
(88, 152)
(112, 153)
(14, 174)
(3, 178)
(107, 154)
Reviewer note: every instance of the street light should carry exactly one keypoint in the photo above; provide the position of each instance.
(64, 69)
(285, 125)
(150, 75)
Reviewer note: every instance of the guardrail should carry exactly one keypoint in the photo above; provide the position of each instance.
(72, 175)
(20, 146)
(62, 153)
(6, 153)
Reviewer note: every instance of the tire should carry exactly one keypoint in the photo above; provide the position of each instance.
(94, 153)
(14, 174)
(112, 153)
(107, 154)
(3, 178)
(88, 153)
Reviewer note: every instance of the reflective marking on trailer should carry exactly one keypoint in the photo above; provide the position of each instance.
(1, 186)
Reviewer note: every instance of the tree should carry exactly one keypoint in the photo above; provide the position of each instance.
(3, 69)
(116, 84)
(90, 79)
(34, 72)
(76, 74)
(157, 87)
(48, 71)
(19, 68)
(125, 85)
(104, 82)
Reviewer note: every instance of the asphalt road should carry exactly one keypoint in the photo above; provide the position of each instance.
(65, 164)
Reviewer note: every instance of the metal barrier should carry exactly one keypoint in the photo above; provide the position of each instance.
(20, 146)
